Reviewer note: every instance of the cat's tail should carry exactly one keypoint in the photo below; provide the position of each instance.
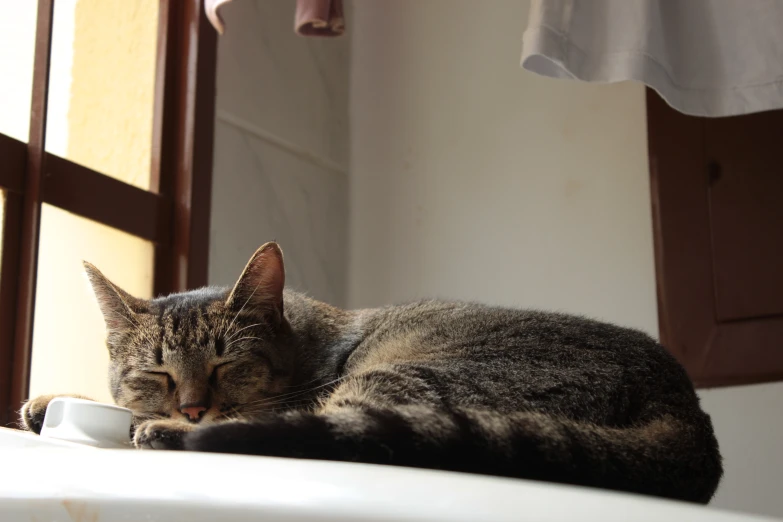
(664, 456)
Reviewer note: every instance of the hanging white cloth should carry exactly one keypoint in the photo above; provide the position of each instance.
(705, 57)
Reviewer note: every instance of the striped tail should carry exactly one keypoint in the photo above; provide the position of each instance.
(663, 457)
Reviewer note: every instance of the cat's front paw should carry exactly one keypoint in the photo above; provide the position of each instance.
(32, 414)
(163, 434)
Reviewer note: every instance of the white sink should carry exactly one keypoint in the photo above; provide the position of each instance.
(46, 479)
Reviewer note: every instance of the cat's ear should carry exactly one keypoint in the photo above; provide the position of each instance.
(260, 287)
(118, 306)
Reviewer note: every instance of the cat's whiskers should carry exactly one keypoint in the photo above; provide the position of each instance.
(232, 343)
(260, 407)
(230, 416)
(280, 398)
(290, 394)
(285, 406)
(233, 335)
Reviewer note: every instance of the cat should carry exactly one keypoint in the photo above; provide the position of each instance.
(260, 369)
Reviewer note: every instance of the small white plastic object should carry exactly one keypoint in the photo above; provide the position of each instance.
(87, 422)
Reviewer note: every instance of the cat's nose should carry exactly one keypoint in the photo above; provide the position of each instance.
(193, 413)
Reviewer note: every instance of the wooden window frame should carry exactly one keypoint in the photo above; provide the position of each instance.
(174, 214)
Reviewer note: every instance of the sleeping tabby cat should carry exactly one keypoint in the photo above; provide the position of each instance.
(447, 385)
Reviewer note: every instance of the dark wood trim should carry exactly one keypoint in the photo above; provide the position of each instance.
(184, 133)
(9, 283)
(29, 214)
(12, 174)
(162, 113)
(14, 164)
(89, 194)
(106, 200)
(194, 177)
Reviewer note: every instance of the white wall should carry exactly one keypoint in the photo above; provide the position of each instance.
(281, 149)
(749, 424)
(473, 179)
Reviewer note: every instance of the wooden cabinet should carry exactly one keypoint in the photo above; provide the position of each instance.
(717, 197)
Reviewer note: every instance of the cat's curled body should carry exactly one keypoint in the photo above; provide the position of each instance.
(444, 385)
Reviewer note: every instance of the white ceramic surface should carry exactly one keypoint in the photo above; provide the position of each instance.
(57, 483)
(17, 439)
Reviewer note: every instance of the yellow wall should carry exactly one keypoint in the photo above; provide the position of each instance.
(110, 117)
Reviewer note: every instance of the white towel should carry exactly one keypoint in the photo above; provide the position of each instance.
(705, 57)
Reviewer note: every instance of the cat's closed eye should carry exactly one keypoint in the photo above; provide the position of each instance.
(214, 375)
(169, 379)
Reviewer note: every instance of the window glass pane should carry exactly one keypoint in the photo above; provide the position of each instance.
(102, 86)
(69, 353)
(17, 49)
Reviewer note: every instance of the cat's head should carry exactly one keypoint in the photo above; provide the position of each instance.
(201, 355)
